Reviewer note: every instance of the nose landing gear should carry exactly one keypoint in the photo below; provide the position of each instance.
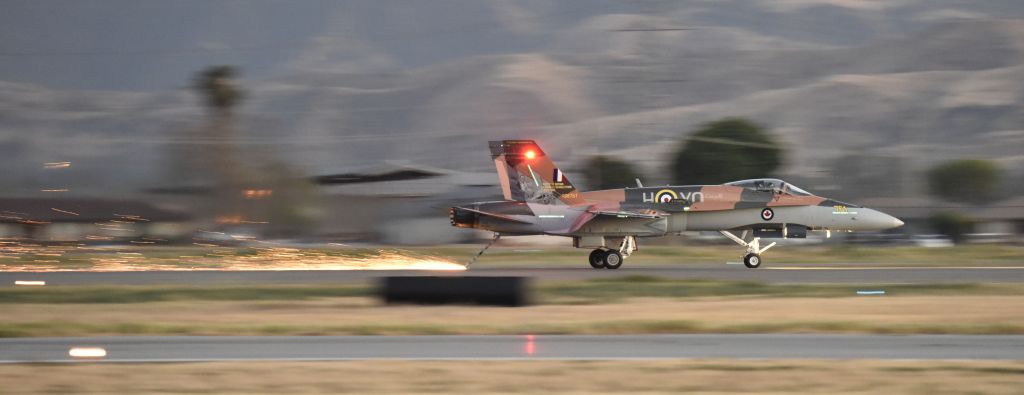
(753, 257)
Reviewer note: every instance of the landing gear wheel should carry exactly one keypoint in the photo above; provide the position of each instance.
(752, 261)
(597, 259)
(612, 259)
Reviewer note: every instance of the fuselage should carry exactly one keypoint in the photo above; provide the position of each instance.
(675, 209)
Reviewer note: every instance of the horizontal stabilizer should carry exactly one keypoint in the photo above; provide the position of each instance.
(493, 215)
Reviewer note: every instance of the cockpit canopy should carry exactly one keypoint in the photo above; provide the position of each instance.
(772, 185)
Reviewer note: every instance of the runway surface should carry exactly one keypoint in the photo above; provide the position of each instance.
(832, 273)
(767, 346)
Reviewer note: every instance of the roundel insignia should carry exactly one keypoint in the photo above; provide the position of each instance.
(767, 214)
(665, 196)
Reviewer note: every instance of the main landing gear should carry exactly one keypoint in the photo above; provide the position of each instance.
(753, 257)
(606, 258)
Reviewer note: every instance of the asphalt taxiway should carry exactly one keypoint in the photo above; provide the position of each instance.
(780, 273)
(512, 347)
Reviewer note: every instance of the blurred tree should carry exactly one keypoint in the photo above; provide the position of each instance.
(969, 181)
(216, 84)
(254, 189)
(953, 225)
(217, 87)
(603, 172)
(729, 149)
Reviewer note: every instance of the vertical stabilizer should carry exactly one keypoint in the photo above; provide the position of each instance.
(527, 174)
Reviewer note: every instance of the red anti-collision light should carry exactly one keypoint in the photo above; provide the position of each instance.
(530, 154)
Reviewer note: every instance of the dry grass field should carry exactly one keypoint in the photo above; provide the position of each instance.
(525, 377)
(620, 305)
(972, 314)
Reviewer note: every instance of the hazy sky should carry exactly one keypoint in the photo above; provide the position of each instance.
(159, 44)
(133, 44)
(149, 44)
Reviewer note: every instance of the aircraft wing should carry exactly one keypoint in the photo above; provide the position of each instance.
(649, 214)
(595, 212)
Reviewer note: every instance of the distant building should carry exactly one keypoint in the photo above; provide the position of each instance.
(1006, 216)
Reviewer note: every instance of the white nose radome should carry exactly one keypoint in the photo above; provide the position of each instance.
(869, 219)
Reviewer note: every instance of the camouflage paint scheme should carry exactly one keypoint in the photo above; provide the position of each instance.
(539, 199)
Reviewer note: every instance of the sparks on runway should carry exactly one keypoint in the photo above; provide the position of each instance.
(64, 211)
(38, 258)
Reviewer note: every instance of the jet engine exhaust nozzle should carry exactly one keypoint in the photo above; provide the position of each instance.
(463, 218)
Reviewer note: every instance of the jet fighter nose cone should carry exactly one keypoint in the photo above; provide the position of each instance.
(875, 220)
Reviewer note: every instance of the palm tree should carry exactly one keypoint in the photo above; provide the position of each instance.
(218, 88)
(217, 85)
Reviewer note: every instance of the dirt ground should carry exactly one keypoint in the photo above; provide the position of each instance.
(481, 377)
(358, 315)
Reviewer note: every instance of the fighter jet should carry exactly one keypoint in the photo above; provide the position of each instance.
(540, 200)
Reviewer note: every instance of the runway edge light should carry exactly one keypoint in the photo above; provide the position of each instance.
(87, 352)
